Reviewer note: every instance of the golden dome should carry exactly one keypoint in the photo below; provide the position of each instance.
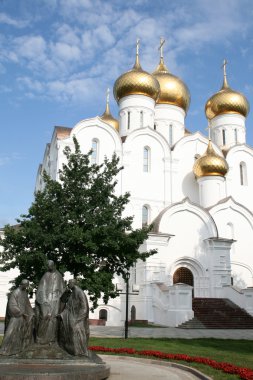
(226, 101)
(172, 89)
(210, 164)
(136, 82)
(107, 116)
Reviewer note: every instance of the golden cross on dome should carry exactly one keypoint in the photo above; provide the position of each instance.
(162, 41)
(225, 62)
(107, 95)
(209, 130)
(137, 46)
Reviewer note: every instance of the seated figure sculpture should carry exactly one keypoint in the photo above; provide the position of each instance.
(48, 305)
(18, 333)
(74, 328)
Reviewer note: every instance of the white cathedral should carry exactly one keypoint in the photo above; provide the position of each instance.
(195, 190)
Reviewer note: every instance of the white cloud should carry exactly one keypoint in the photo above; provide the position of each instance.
(6, 159)
(65, 52)
(98, 38)
(73, 90)
(30, 84)
(68, 34)
(5, 19)
(30, 47)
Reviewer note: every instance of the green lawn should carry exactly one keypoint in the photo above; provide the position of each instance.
(237, 352)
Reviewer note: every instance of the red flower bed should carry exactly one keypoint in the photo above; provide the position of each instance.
(244, 373)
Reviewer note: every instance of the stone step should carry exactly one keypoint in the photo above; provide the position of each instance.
(218, 313)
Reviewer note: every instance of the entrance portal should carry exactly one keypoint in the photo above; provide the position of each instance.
(183, 275)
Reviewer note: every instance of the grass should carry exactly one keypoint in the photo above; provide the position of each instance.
(237, 352)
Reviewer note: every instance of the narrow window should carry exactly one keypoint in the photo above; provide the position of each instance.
(145, 216)
(141, 119)
(133, 313)
(94, 155)
(146, 159)
(236, 137)
(243, 174)
(171, 134)
(128, 120)
(230, 231)
(155, 126)
(223, 137)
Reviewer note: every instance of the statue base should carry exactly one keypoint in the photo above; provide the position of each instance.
(50, 362)
(46, 369)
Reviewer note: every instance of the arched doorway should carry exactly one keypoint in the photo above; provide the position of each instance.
(183, 275)
(133, 313)
(103, 314)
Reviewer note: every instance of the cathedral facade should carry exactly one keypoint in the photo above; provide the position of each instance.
(195, 190)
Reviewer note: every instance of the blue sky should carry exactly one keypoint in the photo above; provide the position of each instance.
(57, 57)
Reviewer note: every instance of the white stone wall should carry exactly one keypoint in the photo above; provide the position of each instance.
(242, 193)
(235, 222)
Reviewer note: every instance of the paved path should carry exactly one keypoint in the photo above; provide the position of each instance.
(166, 332)
(170, 332)
(125, 368)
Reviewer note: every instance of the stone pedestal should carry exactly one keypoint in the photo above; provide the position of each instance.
(31, 369)
(50, 362)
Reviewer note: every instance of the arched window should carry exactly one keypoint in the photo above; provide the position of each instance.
(243, 174)
(230, 230)
(170, 134)
(146, 159)
(145, 215)
(94, 155)
(103, 314)
(141, 119)
(223, 137)
(128, 120)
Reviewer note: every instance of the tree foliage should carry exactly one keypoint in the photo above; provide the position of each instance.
(78, 223)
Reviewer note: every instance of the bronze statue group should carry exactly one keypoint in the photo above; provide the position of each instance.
(58, 319)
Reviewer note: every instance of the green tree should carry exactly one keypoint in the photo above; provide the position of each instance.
(78, 223)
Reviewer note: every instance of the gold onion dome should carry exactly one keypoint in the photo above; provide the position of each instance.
(226, 101)
(172, 89)
(107, 116)
(136, 82)
(210, 164)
